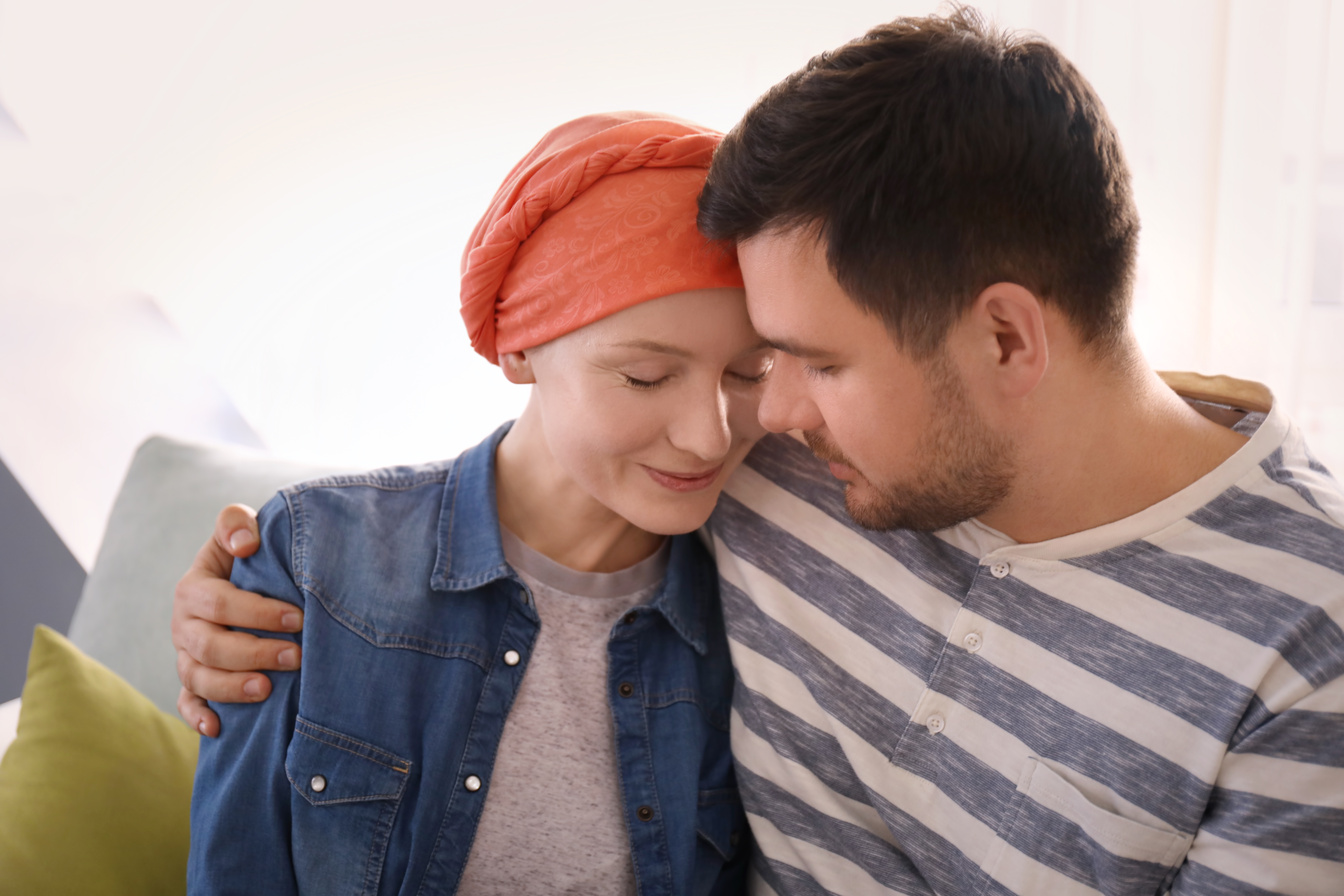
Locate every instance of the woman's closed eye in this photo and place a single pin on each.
(751, 379)
(643, 385)
(754, 372)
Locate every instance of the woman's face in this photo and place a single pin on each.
(650, 409)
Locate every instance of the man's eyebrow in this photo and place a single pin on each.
(798, 349)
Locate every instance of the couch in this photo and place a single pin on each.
(94, 765)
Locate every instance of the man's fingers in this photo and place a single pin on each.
(235, 535)
(221, 602)
(218, 685)
(236, 530)
(230, 651)
(197, 714)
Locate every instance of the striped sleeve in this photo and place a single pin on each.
(1275, 821)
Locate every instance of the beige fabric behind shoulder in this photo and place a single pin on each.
(1244, 394)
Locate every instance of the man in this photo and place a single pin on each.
(1060, 630)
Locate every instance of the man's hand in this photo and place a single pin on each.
(214, 663)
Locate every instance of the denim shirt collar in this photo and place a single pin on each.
(470, 553)
(685, 600)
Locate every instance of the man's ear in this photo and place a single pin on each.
(517, 367)
(1003, 335)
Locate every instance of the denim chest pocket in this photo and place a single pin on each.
(346, 795)
(1053, 820)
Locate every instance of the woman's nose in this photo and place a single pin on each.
(785, 404)
(703, 430)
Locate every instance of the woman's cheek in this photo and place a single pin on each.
(742, 416)
(621, 423)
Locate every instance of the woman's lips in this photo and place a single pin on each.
(684, 482)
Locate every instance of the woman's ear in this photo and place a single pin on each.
(1006, 332)
(517, 368)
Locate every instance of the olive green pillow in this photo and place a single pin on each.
(95, 791)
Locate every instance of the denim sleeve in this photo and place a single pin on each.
(240, 808)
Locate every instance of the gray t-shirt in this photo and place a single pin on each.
(553, 823)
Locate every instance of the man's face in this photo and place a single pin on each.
(903, 435)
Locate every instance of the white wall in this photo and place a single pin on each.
(291, 181)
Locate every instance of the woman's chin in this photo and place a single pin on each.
(674, 516)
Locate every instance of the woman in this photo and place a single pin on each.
(514, 680)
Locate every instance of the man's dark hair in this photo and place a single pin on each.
(934, 157)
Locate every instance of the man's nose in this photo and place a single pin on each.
(785, 401)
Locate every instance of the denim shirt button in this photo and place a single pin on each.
(511, 658)
(630, 617)
(318, 783)
(625, 689)
(644, 813)
(472, 783)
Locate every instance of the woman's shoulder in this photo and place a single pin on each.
(376, 525)
(389, 479)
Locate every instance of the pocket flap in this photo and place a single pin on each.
(720, 820)
(328, 767)
(1116, 834)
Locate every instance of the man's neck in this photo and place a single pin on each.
(1104, 446)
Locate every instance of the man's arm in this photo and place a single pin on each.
(1276, 820)
(241, 841)
(213, 662)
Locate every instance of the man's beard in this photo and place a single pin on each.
(966, 468)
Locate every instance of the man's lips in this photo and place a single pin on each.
(823, 450)
(684, 482)
(839, 470)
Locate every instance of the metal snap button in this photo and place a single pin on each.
(625, 689)
(318, 783)
(511, 658)
(644, 813)
(472, 783)
(630, 617)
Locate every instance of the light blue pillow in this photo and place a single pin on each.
(164, 511)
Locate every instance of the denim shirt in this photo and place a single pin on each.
(366, 771)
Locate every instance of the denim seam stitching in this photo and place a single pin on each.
(382, 639)
(333, 736)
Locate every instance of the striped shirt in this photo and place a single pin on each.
(1154, 704)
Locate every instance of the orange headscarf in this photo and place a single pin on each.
(598, 217)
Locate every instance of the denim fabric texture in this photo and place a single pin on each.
(365, 772)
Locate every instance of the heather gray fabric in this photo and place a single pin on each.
(554, 822)
(164, 512)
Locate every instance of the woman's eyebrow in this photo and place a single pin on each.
(653, 345)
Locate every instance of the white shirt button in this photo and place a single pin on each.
(936, 724)
(472, 783)
(511, 658)
(318, 783)
(999, 569)
(972, 641)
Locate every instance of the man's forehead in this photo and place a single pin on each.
(800, 246)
